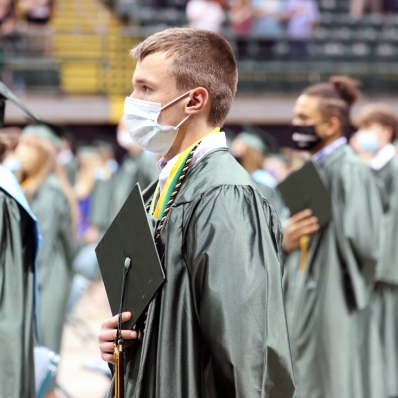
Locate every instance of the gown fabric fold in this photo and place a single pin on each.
(17, 253)
(385, 294)
(56, 254)
(217, 327)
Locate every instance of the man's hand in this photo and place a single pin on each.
(107, 336)
(299, 225)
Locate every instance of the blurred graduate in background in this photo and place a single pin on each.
(110, 193)
(335, 345)
(51, 198)
(378, 128)
(250, 151)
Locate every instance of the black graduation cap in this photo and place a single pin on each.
(130, 236)
(304, 189)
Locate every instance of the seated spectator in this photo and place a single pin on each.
(267, 26)
(8, 18)
(358, 7)
(240, 15)
(302, 17)
(37, 11)
(205, 14)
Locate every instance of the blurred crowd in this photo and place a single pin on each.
(27, 18)
(264, 20)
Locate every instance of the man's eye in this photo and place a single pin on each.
(147, 89)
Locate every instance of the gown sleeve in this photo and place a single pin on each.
(232, 253)
(360, 215)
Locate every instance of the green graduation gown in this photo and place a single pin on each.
(385, 294)
(217, 327)
(110, 195)
(55, 275)
(335, 346)
(16, 300)
(276, 201)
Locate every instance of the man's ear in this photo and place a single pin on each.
(390, 133)
(198, 99)
(334, 125)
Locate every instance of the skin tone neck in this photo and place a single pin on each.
(153, 82)
(307, 113)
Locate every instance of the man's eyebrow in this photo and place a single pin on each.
(141, 80)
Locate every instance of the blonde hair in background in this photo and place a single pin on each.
(48, 164)
(200, 59)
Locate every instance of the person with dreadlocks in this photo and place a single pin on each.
(217, 328)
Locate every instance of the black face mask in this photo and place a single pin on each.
(304, 137)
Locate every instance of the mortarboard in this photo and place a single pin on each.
(304, 189)
(130, 236)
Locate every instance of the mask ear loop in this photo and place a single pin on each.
(175, 100)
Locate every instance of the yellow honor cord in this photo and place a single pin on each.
(304, 245)
(171, 180)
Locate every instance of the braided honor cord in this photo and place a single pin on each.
(174, 193)
(171, 201)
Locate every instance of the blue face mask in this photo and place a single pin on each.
(368, 141)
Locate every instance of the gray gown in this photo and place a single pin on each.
(335, 345)
(217, 328)
(55, 275)
(16, 300)
(385, 294)
(109, 196)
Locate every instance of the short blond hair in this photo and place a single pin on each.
(201, 59)
(381, 114)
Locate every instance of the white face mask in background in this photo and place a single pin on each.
(368, 141)
(142, 123)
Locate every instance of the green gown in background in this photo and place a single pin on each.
(16, 300)
(335, 345)
(217, 327)
(110, 195)
(276, 201)
(385, 294)
(55, 274)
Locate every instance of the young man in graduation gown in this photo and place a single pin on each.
(217, 327)
(335, 346)
(19, 244)
(378, 128)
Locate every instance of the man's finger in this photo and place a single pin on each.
(301, 216)
(111, 323)
(110, 335)
(108, 358)
(297, 227)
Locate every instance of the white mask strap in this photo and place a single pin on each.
(179, 124)
(175, 100)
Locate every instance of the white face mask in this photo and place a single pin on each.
(368, 141)
(142, 123)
